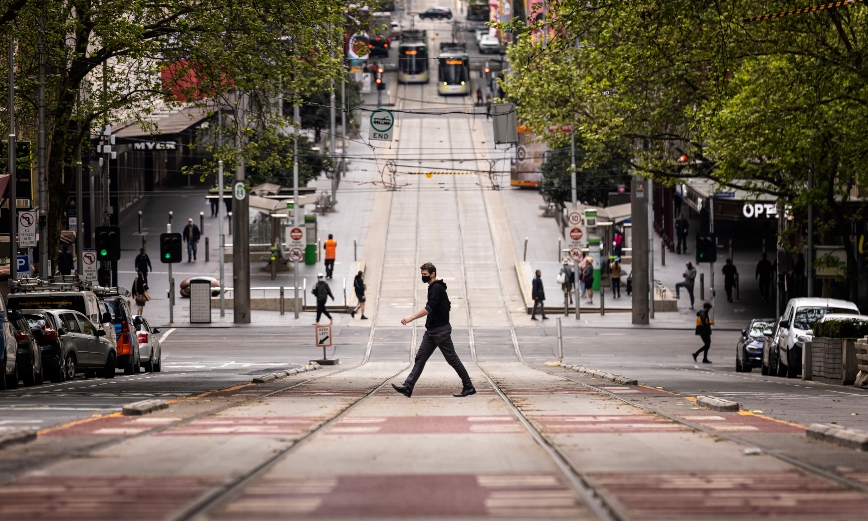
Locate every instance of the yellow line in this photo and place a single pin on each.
(77, 422)
(791, 424)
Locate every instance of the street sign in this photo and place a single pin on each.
(73, 223)
(366, 82)
(296, 242)
(382, 122)
(323, 336)
(23, 264)
(88, 263)
(576, 234)
(27, 228)
(240, 192)
(576, 254)
(575, 218)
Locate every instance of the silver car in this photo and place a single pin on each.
(150, 351)
(86, 347)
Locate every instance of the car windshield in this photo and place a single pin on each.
(806, 317)
(35, 321)
(757, 328)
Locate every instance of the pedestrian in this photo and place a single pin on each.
(588, 279)
(687, 283)
(615, 275)
(191, 237)
(730, 274)
(65, 263)
(438, 334)
(215, 206)
(764, 271)
(618, 244)
(330, 247)
(478, 97)
(682, 229)
(359, 287)
(567, 279)
(487, 107)
(322, 291)
(143, 264)
(579, 271)
(140, 293)
(703, 331)
(538, 294)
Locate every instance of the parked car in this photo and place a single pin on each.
(29, 355)
(379, 45)
(490, 44)
(127, 342)
(184, 289)
(436, 13)
(85, 302)
(749, 349)
(45, 327)
(88, 349)
(150, 351)
(8, 352)
(395, 30)
(480, 34)
(781, 354)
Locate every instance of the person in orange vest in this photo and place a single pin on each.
(330, 246)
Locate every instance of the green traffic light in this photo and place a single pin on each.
(103, 252)
(168, 255)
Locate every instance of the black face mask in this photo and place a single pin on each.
(426, 278)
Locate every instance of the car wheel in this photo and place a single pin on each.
(111, 364)
(781, 368)
(2, 375)
(792, 368)
(149, 365)
(12, 379)
(29, 376)
(130, 366)
(56, 374)
(40, 376)
(158, 365)
(738, 368)
(69, 367)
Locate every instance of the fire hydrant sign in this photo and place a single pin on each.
(295, 242)
(27, 228)
(323, 336)
(382, 123)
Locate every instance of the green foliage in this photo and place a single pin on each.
(316, 109)
(592, 185)
(845, 328)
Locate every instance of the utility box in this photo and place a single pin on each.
(310, 231)
(200, 301)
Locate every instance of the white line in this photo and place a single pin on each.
(166, 335)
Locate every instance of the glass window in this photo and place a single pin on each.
(452, 71)
(757, 328)
(86, 325)
(70, 323)
(43, 301)
(807, 317)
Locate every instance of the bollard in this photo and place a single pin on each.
(566, 303)
(346, 304)
(171, 215)
(603, 298)
(282, 305)
(702, 286)
(207, 250)
(140, 222)
(355, 250)
(561, 340)
(303, 294)
(202, 222)
(230, 223)
(663, 253)
(560, 250)
(318, 249)
(525, 249)
(144, 243)
(730, 252)
(273, 262)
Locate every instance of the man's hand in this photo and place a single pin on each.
(407, 320)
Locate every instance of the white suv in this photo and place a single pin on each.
(782, 355)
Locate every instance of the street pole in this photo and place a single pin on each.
(334, 143)
(714, 245)
(639, 213)
(221, 212)
(651, 248)
(79, 216)
(809, 262)
(296, 117)
(343, 169)
(171, 282)
(44, 269)
(13, 177)
(241, 239)
(573, 167)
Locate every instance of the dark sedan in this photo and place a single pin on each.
(436, 13)
(749, 349)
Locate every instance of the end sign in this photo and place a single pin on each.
(382, 122)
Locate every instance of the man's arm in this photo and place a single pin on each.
(419, 314)
(330, 291)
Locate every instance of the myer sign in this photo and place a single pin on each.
(759, 209)
(154, 145)
(382, 122)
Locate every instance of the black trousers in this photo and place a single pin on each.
(681, 246)
(764, 285)
(616, 286)
(706, 345)
(330, 267)
(728, 285)
(321, 310)
(431, 340)
(542, 308)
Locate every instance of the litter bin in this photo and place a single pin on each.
(200, 301)
(310, 231)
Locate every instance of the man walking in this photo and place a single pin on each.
(191, 237)
(330, 247)
(65, 262)
(682, 229)
(764, 271)
(538, 294)
(438, 334)
(143, 264)
(730, 274)
(687, 283)
(703, 331)
(359, 288)
(322, 292)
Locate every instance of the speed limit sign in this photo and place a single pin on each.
(575, 218)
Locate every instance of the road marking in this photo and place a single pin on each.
(166, 335)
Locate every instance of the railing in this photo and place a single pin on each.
(281, 293)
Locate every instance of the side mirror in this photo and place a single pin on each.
(744, 333)
(767, 332)
(783, 324)
(155, 330)
(99, 332)
(107, 318)
(809, 332)
(137, 321)
(62, 331)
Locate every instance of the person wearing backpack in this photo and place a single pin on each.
(322, 292)
(703, 331)
(567, 278)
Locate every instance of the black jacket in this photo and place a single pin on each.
(438, 305)
(359, 286)
(322, 292)
(191, 232)
(139, 287)
(65, 264)
(537, 292)
(703, 323)
(143, 263)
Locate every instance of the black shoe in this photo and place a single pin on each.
(403, 390)
(545, 318)
(467, 391)
(694, 357)
(353, 313)
(364, 317)
(706, 361)
(534, 318)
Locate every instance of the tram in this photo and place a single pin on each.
(413, 57)
(478, 15)
(453, 70)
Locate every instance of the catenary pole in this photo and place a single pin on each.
(651, 248)
(13, 177)
(809, 262)
(296, 213)
(639, 220)
(44, 268)
(241, 235)
(221, 215)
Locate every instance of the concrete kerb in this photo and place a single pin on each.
(313, 366)
(717, 404)
(846, 437)
(144, 407)
(618, 379)
(16, 436)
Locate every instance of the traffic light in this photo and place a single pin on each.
(380, 84)
(706, 248)
(108, 243)
(171, 251)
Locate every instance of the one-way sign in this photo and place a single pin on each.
(382, 122)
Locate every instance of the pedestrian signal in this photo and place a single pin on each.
(706, 248)
(171, 251)
(108, 243)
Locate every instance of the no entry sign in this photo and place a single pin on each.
(295, 242)
(576, 234)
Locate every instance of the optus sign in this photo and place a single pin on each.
(751, 210)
